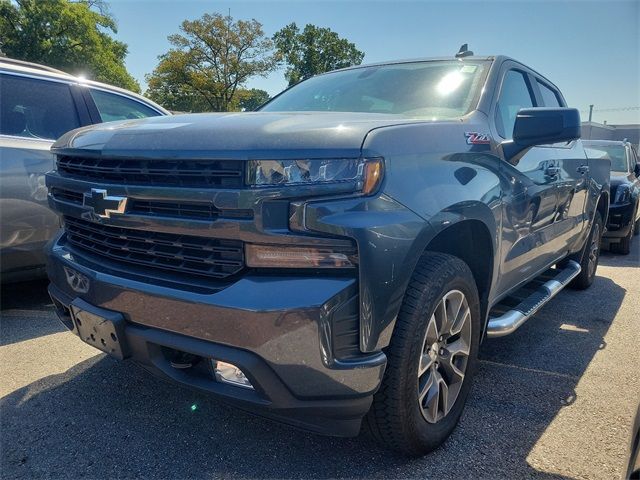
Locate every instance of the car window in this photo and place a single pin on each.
(514, 95)
(549, 97)
(35, 108)
(117, 107)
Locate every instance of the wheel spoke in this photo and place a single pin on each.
(433, 333)
(426, 386)
(444, 393)
(455, 351)
(463, 316)
(431, 402)
(440, 316)
(425, 364)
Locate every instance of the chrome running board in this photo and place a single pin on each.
(507, 321)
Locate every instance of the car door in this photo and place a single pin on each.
(530, 205)
(34, 111)
(571, 178)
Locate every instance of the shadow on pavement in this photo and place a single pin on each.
(104, 418)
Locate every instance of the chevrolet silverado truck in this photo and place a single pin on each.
(335, 258)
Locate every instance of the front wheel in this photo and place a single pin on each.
(431, 358)
(590, 256)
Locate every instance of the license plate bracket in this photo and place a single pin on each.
(100, 328)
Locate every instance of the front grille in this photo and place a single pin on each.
(214, 258)
(67, 195)
(165, 172)
(155, 208)
(200, 211)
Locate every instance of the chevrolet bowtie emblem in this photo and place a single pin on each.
(102, 204)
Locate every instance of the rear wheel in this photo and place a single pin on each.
(590, 257)
(431, 358)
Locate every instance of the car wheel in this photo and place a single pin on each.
(590, 256)
(430, 359)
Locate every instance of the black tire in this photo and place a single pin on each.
(591, 252)
(623, 247)
(396, 417)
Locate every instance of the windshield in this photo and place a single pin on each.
(615, 153)
(434, 90)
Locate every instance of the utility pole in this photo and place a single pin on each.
(590, 124)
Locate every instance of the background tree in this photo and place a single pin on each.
(70, 35)
(313, 50)
(251, 99)
(210, 60)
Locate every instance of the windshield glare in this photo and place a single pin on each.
(615, 153)
(435, 90)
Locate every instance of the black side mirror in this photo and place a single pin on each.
(541, 126)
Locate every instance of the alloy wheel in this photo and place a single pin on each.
(444, 356)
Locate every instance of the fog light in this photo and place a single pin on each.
(270, 256)
(229, 373)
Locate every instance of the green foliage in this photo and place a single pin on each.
(210, 61)
(249, 100)
(70, 35)
(314, 50)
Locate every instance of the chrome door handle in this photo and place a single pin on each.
(583, 169)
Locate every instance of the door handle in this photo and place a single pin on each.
(552, 171)
(583, 169)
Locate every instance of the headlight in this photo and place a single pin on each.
(623, 194)
(365, 174)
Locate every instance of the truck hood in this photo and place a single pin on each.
(230, 135)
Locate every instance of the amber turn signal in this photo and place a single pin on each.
(372, 176)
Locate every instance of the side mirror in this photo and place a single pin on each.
(541, 126)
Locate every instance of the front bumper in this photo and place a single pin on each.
(619, 221)
(280, 330)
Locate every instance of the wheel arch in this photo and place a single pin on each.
(464, 239)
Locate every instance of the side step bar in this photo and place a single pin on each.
(510, 320)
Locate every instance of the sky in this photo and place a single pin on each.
(589, 49)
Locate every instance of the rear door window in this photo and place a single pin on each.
(34, 108)
(118, 107)
(514, 95)
(549, 97)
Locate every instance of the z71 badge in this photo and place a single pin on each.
(475, 138)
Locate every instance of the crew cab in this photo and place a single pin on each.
(338, 255)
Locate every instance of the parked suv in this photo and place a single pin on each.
(624, 211)
(339, 254)
(37, 105)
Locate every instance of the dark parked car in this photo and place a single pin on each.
(624, 211)
(339, 254)
(37, 105)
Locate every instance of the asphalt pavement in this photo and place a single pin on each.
(555, 399)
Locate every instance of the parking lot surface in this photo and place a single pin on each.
(555, 399)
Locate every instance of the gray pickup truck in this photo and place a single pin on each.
(336, 258)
